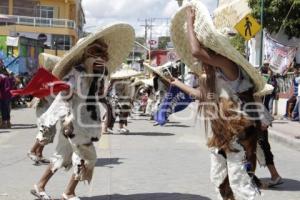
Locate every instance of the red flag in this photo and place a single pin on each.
(42, 84)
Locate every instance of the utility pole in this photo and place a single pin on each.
(182, 66)
(261, 33)
(149, 23)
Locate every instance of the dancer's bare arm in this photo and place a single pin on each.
(185, 88)
(206, 56)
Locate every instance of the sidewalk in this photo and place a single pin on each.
(286, 132)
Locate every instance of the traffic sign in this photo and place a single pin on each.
(248, 27)
(152, 42)
(172, 56)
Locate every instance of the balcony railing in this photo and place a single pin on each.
(42, 22)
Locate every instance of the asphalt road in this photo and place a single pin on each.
(150, 163)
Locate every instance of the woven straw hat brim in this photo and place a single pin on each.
(228, 15)
(208, 35)
(48, 61)
(118, 36)
(143, 82)
(125, 73)
(158, 70)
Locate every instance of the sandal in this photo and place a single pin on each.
(40, 195)
(123, 130)
(65, 197)
(32, 156)
(43, 160)
(277, 181)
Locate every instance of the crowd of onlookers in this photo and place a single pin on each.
(8, 82)
(293, 103)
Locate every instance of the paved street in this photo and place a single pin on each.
(150, 163)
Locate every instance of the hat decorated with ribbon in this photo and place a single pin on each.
(211, 38)
(119, 38)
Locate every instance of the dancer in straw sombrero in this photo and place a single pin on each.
(229, 84)
(121, 96)
(41, 105)
(84, 67)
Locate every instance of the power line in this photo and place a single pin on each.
(150, 23)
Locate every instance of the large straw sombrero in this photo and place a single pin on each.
(144, 81)
(211, 38)
(118, 36)
(125, 72)
(48, 61)
(229, 14)
(159, 70)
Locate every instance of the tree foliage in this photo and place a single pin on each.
(275, 12)
(238, 42)
(163, 42)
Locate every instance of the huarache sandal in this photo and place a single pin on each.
(34, 158)
(65, 197)
(43, 160)
(40, 195)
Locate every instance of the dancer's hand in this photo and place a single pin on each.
(190, 14)
(68, 128)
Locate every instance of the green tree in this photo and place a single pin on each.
(163, 42)
(238, 42)
(275, 12)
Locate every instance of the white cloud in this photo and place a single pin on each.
(98, 12)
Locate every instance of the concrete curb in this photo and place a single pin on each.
(289, 142)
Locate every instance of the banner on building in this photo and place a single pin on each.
(278, 55)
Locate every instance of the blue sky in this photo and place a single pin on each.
(131, 11)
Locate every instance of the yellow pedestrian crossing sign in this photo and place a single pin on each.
(247, 27)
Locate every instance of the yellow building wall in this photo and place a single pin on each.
(10, 7)
(52, 52)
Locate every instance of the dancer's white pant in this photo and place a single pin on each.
(82, 157)
(234, 167)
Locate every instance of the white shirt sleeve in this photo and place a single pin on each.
(60, 107)
(57, 110)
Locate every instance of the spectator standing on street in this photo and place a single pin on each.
(296, 111)
(291, 102)
(269, 99)
(7, 84)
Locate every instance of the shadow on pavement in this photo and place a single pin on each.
(23, 126)
(103, 162)
(280, 122)
(287, 185)
(4, 131)
(149, 196)
(149, 134)
(177, 125)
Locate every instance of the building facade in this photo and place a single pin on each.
(59, 23)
